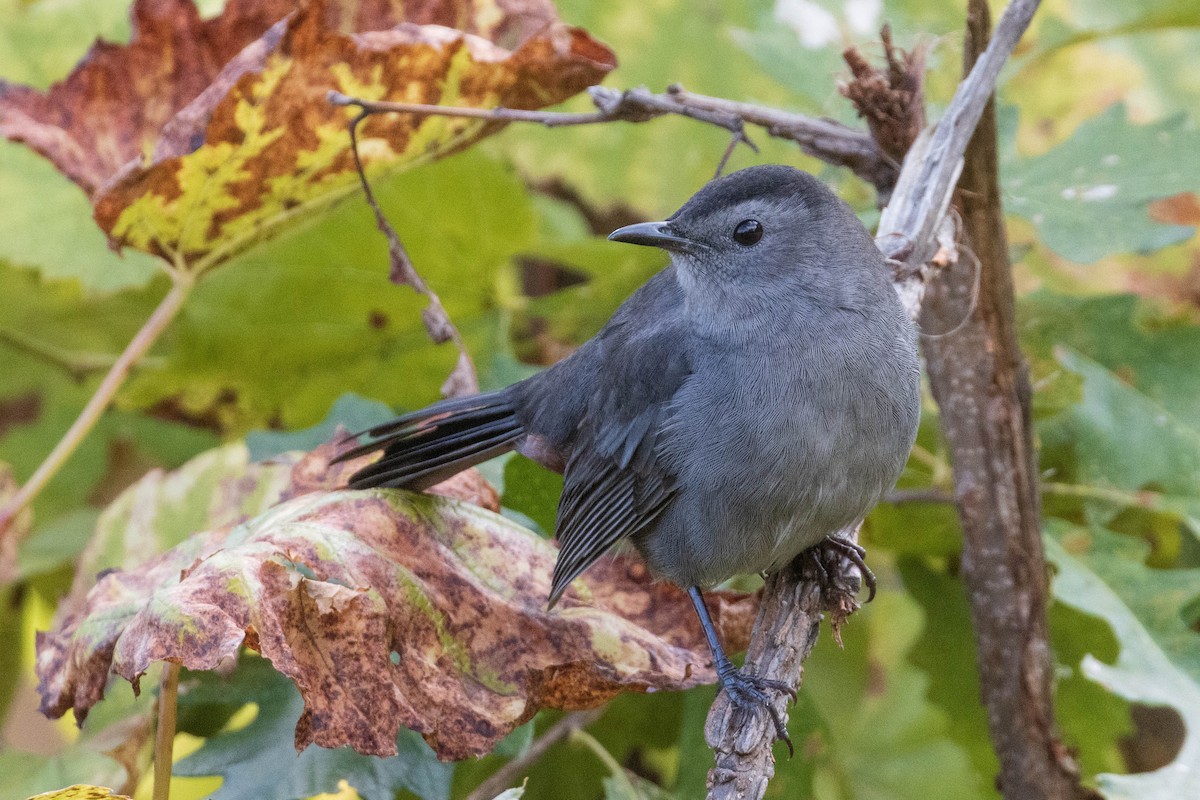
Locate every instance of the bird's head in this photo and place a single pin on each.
(759, 231)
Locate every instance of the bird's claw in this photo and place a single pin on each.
(748, 691)
(837, 548)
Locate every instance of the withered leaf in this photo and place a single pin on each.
(388, 608)
(200, 137)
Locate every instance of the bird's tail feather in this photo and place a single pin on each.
(430, 445)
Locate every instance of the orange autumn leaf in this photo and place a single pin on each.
(387, 608)
(200, 137)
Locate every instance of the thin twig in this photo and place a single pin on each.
(164, 736)
(463, 379)
(509, 775)
(96, 405)
(825, 139)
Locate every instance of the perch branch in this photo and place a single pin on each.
(913, 231)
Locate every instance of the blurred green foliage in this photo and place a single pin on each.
(1099, 115)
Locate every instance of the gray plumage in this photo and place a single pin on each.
(749, 400)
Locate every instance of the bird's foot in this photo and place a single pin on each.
(750, 691)
(831, 550)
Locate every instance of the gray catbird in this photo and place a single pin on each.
(754, 397)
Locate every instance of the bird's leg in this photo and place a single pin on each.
(745, 691)
(842, 548)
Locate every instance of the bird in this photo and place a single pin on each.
(751, 399)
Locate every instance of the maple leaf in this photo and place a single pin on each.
(201, 137)
(387, 609)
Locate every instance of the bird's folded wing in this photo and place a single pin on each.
(616, 481)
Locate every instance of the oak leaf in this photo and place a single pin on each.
(388, 608)
(200, 137)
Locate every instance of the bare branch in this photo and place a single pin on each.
(825, 139)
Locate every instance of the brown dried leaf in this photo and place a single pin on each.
(388, 608)
(202, 136)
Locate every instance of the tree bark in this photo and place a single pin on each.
(981, 385)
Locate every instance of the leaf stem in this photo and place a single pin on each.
(164, 736)
(99, 402)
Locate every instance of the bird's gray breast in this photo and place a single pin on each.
(781, 444)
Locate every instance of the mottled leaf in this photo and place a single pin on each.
(387, 608)
(203, 136)
(277, 335)
(867, 723)
(1089, 196)
(1103, 574)
(80, 791)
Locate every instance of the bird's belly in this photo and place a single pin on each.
(799, 476)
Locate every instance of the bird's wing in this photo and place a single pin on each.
(616, 481)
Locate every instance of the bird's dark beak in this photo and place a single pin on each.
(653, 234)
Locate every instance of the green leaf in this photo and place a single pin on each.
(62, 335)
(1103, 574)
(614, 272)
(635, 787)
(800, 44)
(1131, 437)
(946, 653)
(85, 760)
(260, 761)
(47, 224)
(1088, 197)
(41, 41)
(532, 490)
(1095, 19)
(869, 719)
(1148, 349)
(1127, 440)
(515, 793)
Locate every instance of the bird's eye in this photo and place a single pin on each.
(748, 232)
